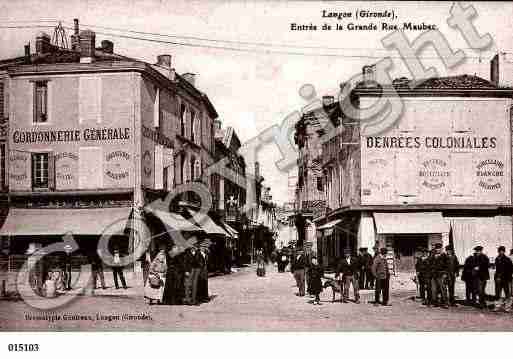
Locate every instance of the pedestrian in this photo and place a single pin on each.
(97, 268)
(439, 274)
(203, 295)
(349, 267)
(260, 263)
(174, 290)
(67, 267)
(154, 289)
(511, 283)
(470, 282)
(315, 273)
(422, 268)
(117, 270)
(481, 274)
(452, 274)
(503, 274)
(367, 268)
(298, 268)
(361, 269)
(192, 271)
(381, 274)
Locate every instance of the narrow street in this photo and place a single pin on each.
(243, 301)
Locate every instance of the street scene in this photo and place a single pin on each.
(153, 178)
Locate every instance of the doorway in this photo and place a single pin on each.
(405, 247)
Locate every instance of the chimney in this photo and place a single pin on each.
(75, 38)
(107, 46)
(164, 66)
(501, 70)
(43, 45)
(87, 40)
(190, 78)
(27, 53)
(327, 100)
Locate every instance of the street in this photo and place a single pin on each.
(243, 301)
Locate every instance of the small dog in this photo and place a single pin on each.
(336, 287)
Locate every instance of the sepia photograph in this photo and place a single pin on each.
(255, 166)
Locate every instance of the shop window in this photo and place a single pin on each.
(40, 101)
(43, 176)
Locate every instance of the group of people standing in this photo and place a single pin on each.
(360, 271)
(437, 273)
(176, 277)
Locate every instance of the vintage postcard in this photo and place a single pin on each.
(255, 166)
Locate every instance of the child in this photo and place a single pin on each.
(315, 273)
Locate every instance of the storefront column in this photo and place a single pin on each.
(366, 233)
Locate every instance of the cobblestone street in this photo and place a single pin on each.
(243, 301)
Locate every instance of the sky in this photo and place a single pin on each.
(254, 87)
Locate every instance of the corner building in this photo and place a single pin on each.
(440, 173)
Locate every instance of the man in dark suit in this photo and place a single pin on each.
(480, 274)
(298, 269)
(193, 265)
(422, 268)
(503, 273)
(440, 272)
(452, 273)
(382, 275)
(349, 267)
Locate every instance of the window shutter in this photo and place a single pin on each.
(51, 171)
(2, 101)
(156, 109)
(159, 167)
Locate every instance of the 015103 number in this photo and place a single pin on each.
(23, 347)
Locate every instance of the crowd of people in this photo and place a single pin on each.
(176, 277)
(437, 271)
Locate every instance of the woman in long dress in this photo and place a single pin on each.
(154, 288)
(174, 287)
(260, 263)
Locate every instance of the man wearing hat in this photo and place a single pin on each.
(298, 269)
(382, 275)
(503, 274)
(453, 273)
(480, 274)
(349, 267)
(440, 272)
(422, 269)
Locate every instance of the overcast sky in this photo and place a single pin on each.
(256, 89)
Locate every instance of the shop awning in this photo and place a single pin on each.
(410, 223)
(206, 223)
(48, 221)
(175, 221)
(329, 225)
(232, 231)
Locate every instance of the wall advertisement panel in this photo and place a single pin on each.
(442, 151)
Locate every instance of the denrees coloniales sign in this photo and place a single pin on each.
(432, 142)
(88, 134)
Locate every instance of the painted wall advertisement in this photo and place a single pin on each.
(442, 151)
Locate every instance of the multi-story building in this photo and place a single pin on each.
(231, 191)
(94, 138)
(440, 173)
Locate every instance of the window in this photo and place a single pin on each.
(193, 174)
(184, 169)
(40, 101)
(183, 112)
(193, 124)
(40, 170)
(165, 184)
(319, 184)
(3, 183)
